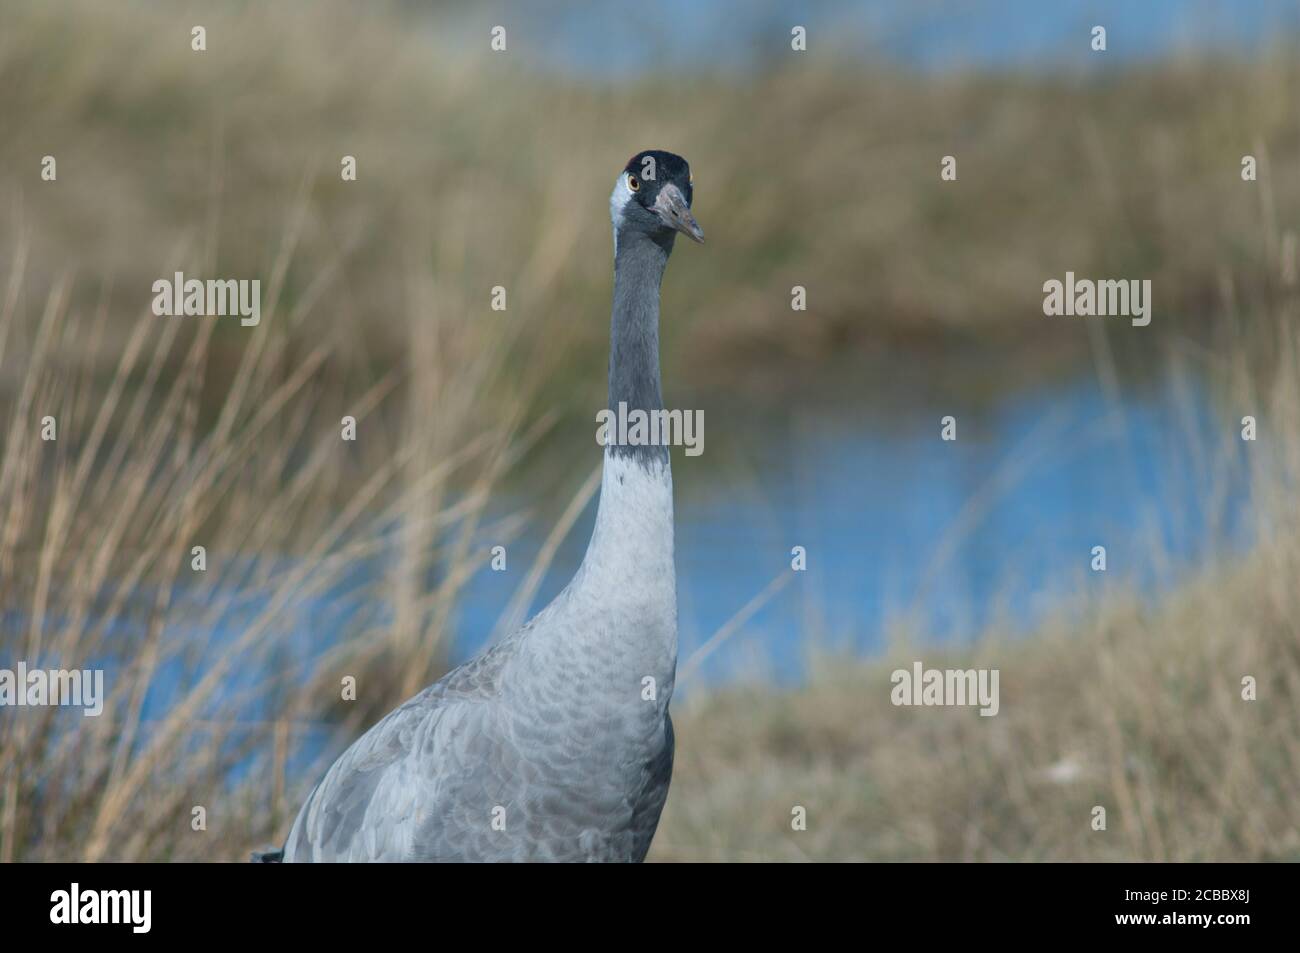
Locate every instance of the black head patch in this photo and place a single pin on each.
(653, 169)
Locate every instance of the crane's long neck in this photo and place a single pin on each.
(630, 557)
(634, 335)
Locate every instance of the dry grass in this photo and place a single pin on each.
(1137, 710)
(96, 530)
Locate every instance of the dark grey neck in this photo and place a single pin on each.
(639, 264)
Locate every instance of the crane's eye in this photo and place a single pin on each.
(633, 183)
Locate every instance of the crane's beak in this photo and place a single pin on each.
(671, 207)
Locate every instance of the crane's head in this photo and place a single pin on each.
(653, 196)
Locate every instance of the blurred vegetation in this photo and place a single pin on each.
(477, 171)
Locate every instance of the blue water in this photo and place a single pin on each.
(992, 530)
(995, 527)
(613, 40)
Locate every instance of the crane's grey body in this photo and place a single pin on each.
(555, 743)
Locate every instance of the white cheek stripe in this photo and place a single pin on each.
(618, 200)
